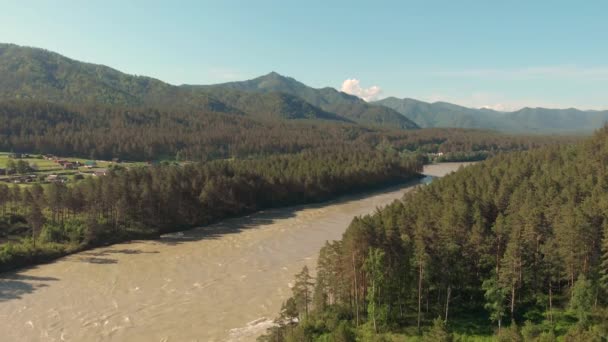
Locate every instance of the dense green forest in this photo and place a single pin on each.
(514, 248)
(328, 99)
(143, 134)
(43, 223)
(36, 74)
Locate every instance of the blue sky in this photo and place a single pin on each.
(502, 54)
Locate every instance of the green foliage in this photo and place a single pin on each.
(603, 273)
(517, 235)
(376, 272)
(70, 232)
(302, 294)
(144, 202)
(342, 333)
(29, 73)
(27, 252)
(548, 336)
(438, 332)
(328, 99)
(510, 334)
(531, 332)
(578, 333)
(141, 134)
(495, 296)
(583, 297)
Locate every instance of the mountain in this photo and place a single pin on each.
(328, 99)
(556, 120)
(37, 74)
(443, 114)
(541, 120)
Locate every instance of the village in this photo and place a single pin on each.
(26, 169)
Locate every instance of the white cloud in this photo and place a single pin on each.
(352, 86)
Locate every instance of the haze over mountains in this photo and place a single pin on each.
(542, 120)
(36, 74)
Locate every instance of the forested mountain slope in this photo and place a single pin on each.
(329, 99)
(102, 132)
(540, 120)
(443, 114)
(518, 240)
(36, 74)
(556, 120)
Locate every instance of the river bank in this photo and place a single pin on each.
(223, 282)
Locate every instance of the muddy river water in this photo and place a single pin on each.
(224, 282)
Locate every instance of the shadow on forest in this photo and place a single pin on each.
(270, 216)
(16, 285)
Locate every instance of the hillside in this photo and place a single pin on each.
(443, 114)
(540, 120)
(328, 99)
(515, 246)
(143, 134)
(36, 74)
(556, 120)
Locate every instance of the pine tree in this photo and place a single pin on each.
(376, 269)
(302, 292)
(495, 296)
(438, 332)
(603, 281)
(582, 299)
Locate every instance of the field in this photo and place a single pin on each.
(41, 168)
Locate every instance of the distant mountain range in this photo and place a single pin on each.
(542, 120)
(37, 74)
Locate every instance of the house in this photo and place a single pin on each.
(116, 160)
(102, 172)
(49, 157)
(89, 164)
(21, 179)
(15, 155)
(69, 166)
(56, 179)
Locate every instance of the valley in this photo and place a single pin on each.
(222, 282)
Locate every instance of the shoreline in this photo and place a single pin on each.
(47, 257)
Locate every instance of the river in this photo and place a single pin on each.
(224, 282)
